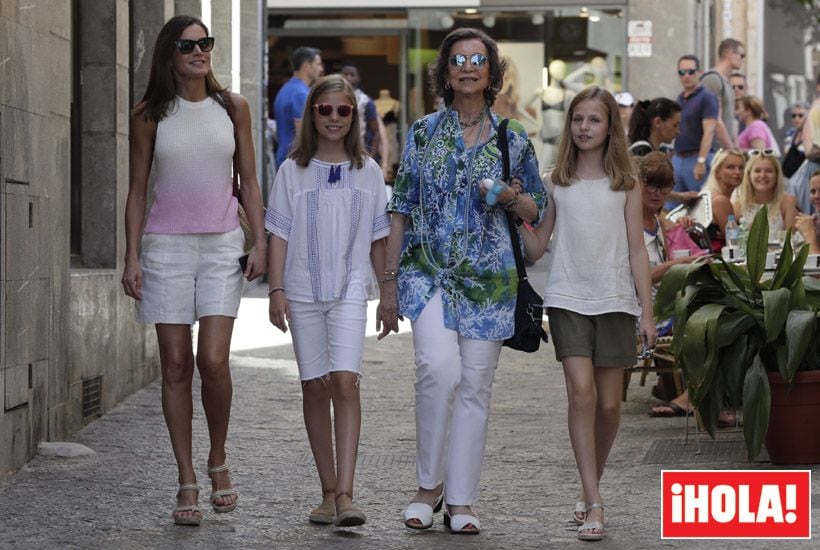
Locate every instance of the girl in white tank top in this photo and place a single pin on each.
(597, 280)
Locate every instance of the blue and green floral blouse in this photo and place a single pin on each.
(453, 240)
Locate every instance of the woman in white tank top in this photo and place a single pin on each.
(598, 283)
(181, 262)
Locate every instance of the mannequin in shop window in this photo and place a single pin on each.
(507, 102)
(554, 100)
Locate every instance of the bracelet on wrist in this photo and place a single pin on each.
(276, 289)
(510, 204)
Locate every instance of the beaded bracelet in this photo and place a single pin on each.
(275, 289)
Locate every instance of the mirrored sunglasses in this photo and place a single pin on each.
(326, 109)
(682, 72)
(187, 46)
(477, 60)
(761, 152)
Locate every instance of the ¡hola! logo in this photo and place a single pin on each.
(736, 504)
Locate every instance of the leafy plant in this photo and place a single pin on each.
(732, 327)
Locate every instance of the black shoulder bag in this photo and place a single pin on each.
(529, 306)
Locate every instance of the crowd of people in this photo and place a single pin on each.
(440, 248)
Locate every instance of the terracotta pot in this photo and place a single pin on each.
(794, 424)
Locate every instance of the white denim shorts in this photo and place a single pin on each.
(328, 336)
(186, 277)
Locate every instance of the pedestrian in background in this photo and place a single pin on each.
(185, 268)
(451, 254)
(366, 109)
(596, 267)
(731, 54)
(699, 114)
(290, 100)
(763, 184)
(328, 219)
(756, 133)
(626, 106)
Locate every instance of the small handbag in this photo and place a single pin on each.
(529, 306)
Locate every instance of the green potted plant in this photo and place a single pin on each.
(735, 330)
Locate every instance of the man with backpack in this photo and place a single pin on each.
(731, 54)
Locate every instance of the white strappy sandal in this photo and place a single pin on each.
(221, 493)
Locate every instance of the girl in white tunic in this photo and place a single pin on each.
(328, 217)
(598, 282)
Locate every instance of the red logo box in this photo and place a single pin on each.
(736, 504)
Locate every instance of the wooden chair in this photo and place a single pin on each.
(659, 361)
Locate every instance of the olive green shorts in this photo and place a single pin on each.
(608, 339)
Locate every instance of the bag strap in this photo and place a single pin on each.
(229, 109)
(504, 147)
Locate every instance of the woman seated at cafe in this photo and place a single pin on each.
(809, 224)
(764, 184)
(657, 179)
(726, 176)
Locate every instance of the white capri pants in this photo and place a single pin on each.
(328, 336)
(454, 378)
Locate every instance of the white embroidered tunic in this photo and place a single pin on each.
(329, 214)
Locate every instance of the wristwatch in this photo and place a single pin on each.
(701, 160)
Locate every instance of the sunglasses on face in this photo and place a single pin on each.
(740, 87)
(477, 60)
(798, 115)
(187, 46)
(761, 152)
(326, 109)
(690, 72)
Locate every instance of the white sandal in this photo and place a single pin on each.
(189, 520)
(580, 508)
(423, 513)
(458, 522)
(220, 508)
(590, 525)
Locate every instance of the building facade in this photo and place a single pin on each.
(70, 70)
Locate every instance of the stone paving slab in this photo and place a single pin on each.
(122, 496)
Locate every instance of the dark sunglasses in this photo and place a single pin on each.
(682, 72)
(798, 115)
(476, 60)
(187, 46)
(326, 109)
(759, 152)
(740, 87)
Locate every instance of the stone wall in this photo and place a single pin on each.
(67, 335)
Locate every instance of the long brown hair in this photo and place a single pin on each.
(308, 142)
(162, 88)
(617, 163)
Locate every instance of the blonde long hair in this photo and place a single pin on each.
(745, 194)
(617, 162)
(712, 184)
(308, 142)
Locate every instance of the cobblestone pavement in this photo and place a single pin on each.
(122, 496)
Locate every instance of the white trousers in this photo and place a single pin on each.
(454, 378)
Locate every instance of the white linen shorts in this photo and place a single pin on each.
(186, 277)
(328, 336)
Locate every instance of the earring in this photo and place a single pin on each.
(446, 85)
